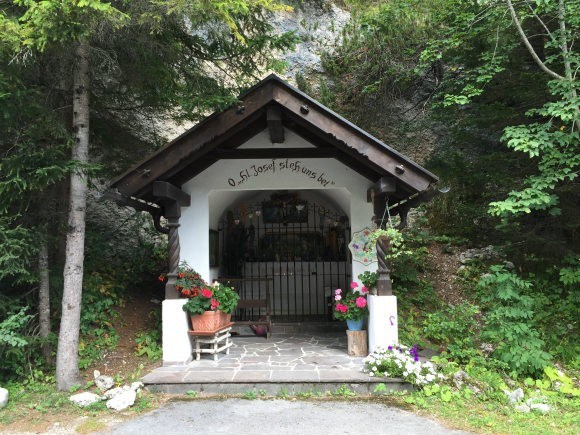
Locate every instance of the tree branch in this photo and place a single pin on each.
(526, 42)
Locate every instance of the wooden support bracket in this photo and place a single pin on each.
(275, 127)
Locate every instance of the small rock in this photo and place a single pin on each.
(3, 397)
(474, 389)
(136, 386)
(84, 399)
(122, 401)
(109, 394)
(459, 377)
(515, 396)
(96, 374)
(509, 265)
(541, 407)
(522, 408)
(104, 383)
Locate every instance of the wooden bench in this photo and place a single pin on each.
(260, 307)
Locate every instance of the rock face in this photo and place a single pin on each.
(318, 24)
(85, 399)
(3, 397)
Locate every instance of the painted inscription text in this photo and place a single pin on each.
(274, 166)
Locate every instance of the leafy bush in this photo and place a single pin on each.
(14, 343)
(101, 296)
(510, 324)
(454, 329)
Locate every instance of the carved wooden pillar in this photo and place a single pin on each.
(384, 283)
(173, 257)
(172, 199)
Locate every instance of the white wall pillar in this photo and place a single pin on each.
(194, 232)
(383, 321)
(177, 348)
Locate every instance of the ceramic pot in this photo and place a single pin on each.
(355, 325)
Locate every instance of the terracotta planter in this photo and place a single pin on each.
(208, 321)
(225, 318)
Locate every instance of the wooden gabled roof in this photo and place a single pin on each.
(273, 103)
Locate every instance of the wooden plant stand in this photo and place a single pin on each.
(212, 342)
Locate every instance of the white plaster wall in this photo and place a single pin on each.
(229, 181)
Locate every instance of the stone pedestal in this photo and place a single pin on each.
(177, 346)
(357, 343)
(383, 321)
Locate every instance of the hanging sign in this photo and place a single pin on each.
(361, 248)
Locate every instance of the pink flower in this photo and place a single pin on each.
(214, 304)
(337, 291)
(361, 302)
(364, 289)
(342, 308)
(337, 297)
(353, 285)
(206, 293)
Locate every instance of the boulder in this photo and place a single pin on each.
(540, 407)
(3, 397)
(84, 399)
(459, 377)
(103, 382)
(522, 408)
(486, 253)
(136, 386)
(109, 394)
(515, 396)
(122, 401)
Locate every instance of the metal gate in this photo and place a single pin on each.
(300, 246)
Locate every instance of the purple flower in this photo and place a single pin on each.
(390, 347)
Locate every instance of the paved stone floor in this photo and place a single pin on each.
(286, 360)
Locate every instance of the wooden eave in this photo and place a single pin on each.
(219, 136)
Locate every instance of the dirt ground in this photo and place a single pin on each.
(134, 317)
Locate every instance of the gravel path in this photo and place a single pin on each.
(273, 417)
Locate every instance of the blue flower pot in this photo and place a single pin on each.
(355, 325)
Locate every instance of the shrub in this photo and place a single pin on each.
(510, 322)
(454, 329)
(14, 343)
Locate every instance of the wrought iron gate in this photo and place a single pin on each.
(301, 246)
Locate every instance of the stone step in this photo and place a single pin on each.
(279, 388)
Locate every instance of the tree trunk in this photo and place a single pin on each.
(44, 301)
(67, 369)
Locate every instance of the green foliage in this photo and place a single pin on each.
(454, 329)
(19, 344)
(13, 343)
(369, 279)
(148, 344)
(510, 324)
(343, 391)
(101, 294)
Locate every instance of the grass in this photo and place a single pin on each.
(36, 407)
(474, 415)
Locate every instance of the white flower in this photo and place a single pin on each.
(337, 298)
